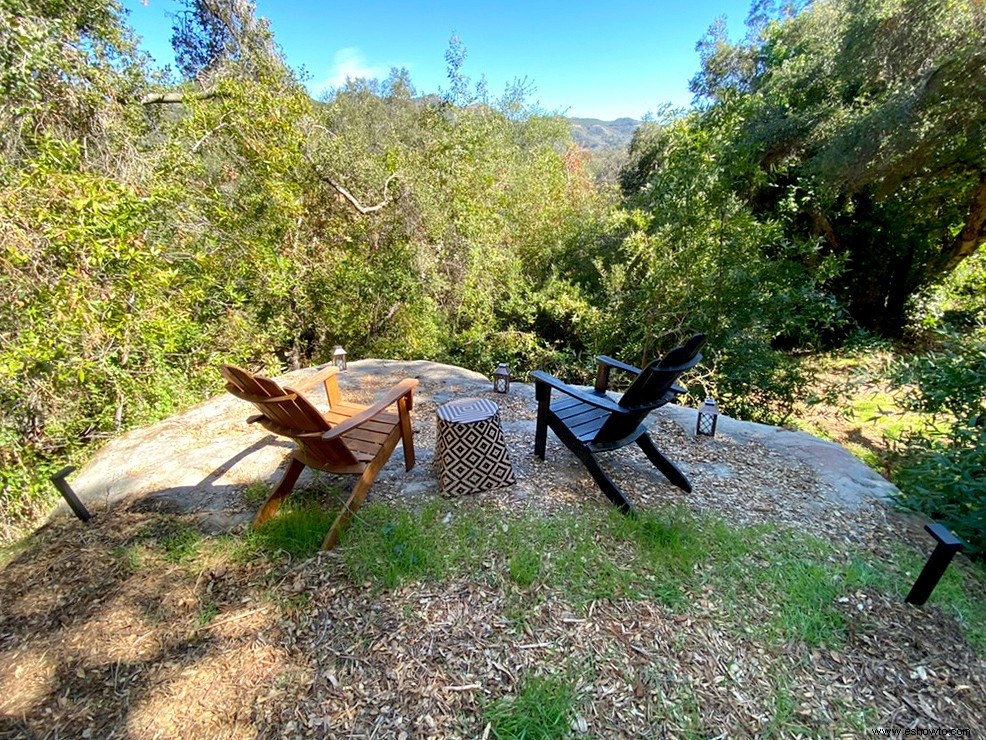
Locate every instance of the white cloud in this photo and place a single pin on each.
(350, 63)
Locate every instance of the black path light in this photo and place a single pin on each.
(934, 569)
(501, 378)
(78, 508)
(708, 417)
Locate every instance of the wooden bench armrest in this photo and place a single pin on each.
(600, 401)
(404, 389)
(326, 375)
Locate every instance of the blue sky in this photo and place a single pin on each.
(597, 60)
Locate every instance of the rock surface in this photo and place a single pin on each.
(200, 462)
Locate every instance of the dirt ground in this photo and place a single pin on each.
(95, 645)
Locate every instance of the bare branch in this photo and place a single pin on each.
(365, 210)
(968, 240)
(178, 97)
(209, 133)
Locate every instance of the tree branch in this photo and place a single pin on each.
(365, 210)
(178, 97)
(209, 133)
(968, 240)
(824, 227)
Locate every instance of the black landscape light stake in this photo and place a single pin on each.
(934, 569)
(501, 378)
(708, 416)
(68, 494)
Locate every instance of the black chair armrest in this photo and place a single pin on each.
(606, 360)
(600, 401)
(603, 365)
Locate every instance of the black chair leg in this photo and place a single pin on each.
(543, 395)
(668, 468)
(605, 483)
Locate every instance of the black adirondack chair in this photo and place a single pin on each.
(592, 422)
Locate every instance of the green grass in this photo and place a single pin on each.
(610, 556)
(298, 530)
(256, 493)
(388, 546)
(542, 708)
(525, 566)
(181, 544)
(207, 612)
(129, 557)
(667, 556)
(169, 538)
(784, 722)
(800, 576)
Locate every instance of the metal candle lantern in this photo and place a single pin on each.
(708, 415)
(501, 378)
(339, 358)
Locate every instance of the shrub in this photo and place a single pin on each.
(941, 470)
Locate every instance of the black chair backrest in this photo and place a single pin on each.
(656, 379)
(648, 391)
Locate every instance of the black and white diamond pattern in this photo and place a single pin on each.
(470, 452)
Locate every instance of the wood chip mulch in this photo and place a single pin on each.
(94, 645)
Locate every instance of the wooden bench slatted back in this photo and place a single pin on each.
(293, 416)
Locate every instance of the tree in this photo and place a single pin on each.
(864, 125)
(67, 69)
(210, 33)
(695, 257)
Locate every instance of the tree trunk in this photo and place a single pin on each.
(967, 241)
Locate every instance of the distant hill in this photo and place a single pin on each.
(596, 135)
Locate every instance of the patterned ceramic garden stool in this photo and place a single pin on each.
(470, 452)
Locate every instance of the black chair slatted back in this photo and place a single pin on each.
(648, 391)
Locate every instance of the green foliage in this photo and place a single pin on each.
(696, 258)
(942, 476)
(940, 469)
(542, 708)
(856, 128)
(62, 66)
(95, 312)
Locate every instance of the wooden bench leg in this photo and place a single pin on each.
(360, 490)
(407, 437)
(280, 492)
